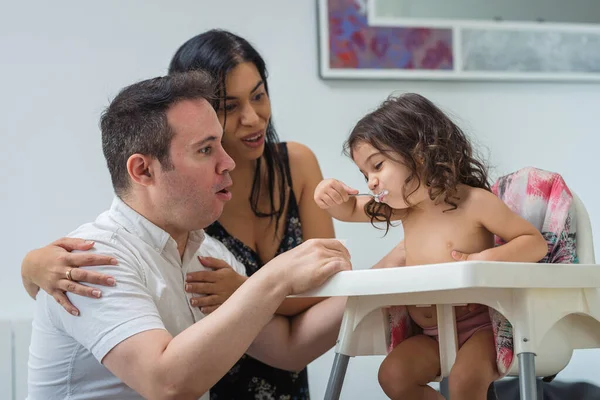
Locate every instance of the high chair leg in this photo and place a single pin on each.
(336, 378)
(444, 390)
(527, 382)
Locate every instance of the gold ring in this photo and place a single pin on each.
(68, 273)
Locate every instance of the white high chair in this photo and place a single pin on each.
(553, 308)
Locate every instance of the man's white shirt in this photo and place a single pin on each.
(66, 351)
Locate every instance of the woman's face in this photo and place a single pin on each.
(248, 109)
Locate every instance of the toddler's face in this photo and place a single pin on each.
(385, 174)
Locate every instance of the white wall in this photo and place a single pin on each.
(62, 61)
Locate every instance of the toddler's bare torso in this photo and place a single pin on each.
(430, 235)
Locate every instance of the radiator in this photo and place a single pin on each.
(15, 336)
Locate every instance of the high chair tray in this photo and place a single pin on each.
(458, 275)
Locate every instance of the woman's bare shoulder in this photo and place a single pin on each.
(299, 152)
(304, 166)
(303, 161)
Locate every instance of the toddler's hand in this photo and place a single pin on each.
(460, 256)
(331, 192)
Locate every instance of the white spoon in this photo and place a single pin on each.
(375, 197)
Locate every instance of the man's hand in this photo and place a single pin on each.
(216, 285)
(310, 264)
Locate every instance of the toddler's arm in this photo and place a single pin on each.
(524, 243)
(335, 197)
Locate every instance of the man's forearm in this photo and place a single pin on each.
(199, 356)
(159, 366)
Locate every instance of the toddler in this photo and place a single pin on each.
(421, 169)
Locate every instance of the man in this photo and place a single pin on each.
(162, 142)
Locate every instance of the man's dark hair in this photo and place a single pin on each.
(136, 120)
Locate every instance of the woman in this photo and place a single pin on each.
(272, 209)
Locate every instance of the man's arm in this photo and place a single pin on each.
(224, 276)
(292, 343)
(160, 366)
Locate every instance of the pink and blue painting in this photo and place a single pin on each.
(355, 44)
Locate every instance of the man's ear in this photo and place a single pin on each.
(141, 169)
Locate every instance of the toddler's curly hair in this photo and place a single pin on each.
(410, 129)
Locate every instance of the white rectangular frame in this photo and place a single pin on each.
(457, 26)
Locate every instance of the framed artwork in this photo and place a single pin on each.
(460, 39)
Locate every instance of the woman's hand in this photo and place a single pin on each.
(50, 268)
(216, 285)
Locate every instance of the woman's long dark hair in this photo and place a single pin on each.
(218, 52)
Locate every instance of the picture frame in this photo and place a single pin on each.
(355, 43)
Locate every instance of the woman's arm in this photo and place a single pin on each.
(316, 223)
(47, 267)
(306, 173)
(293, 343)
